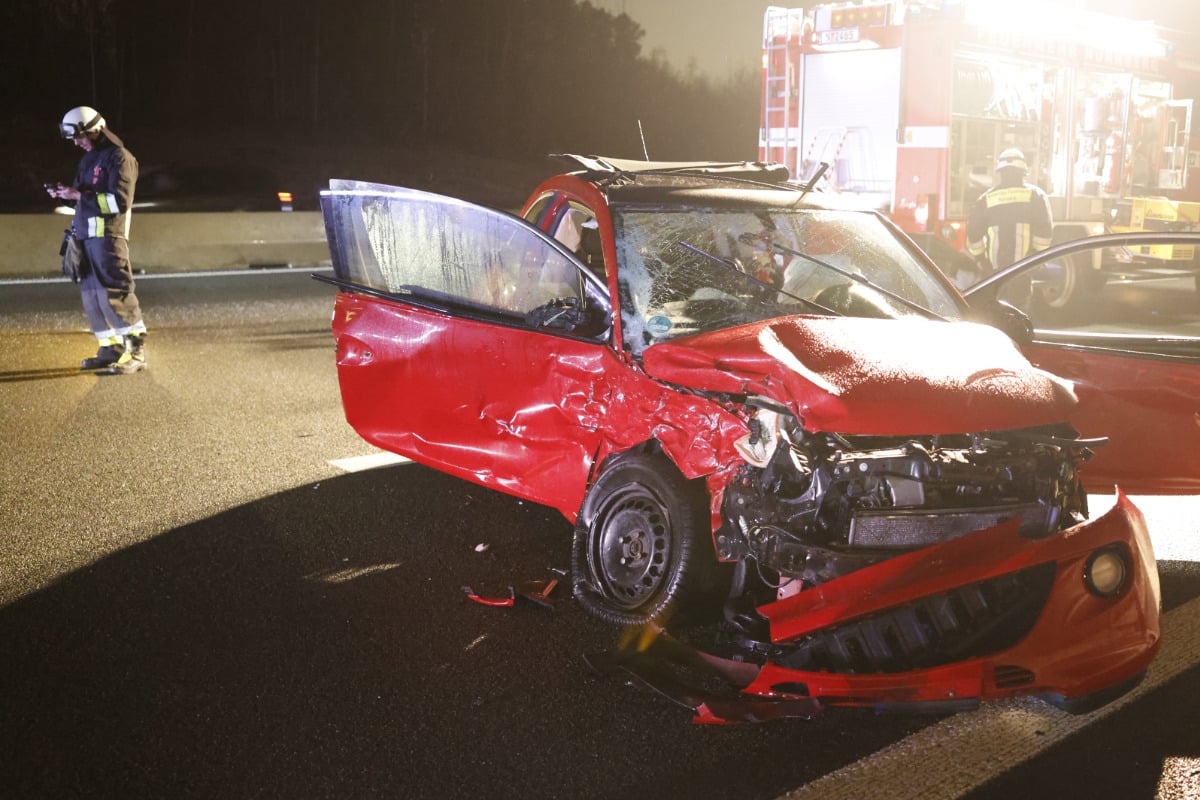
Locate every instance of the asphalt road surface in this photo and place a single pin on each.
(204, 594)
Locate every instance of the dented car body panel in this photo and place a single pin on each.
(529, 418)
(521, 422)
(849, 375)
(736, 387)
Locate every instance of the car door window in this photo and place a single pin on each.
(444, 253)
(573, 225)
(1143, 296)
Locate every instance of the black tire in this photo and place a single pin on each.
(643, 549)
(1065, 289)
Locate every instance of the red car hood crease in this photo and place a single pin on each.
(872, 376)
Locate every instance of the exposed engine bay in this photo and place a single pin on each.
(810, 507)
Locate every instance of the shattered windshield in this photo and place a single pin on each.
(691, 271)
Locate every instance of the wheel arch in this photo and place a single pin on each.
(693, 584)
(607, 458)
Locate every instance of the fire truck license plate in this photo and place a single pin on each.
(838, 36)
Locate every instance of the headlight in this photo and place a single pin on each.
(1107, 571)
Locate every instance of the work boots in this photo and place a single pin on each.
(105, 357)
(133, 356)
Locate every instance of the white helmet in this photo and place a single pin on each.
(1012, 158)
(80, 120)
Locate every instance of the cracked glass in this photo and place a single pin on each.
(689, 271)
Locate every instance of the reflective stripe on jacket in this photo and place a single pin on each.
(1008, 223)
(105, 179)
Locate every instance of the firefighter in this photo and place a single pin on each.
(103, 194)
(1009, 221)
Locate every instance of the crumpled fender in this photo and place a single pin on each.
(1080, 645)
(1082, 652)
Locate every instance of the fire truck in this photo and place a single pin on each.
(909, 103)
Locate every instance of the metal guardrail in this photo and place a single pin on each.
(175, 242)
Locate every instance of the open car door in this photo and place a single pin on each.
(467, 340)
(1133, 353)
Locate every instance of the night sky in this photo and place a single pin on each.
(420, 92)
(317, 86)
(717, 36)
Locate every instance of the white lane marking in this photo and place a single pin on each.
(372, 461)
(347, 574)
(961, 753)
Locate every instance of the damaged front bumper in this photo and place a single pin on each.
(916, 633)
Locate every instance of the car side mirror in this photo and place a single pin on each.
(571, 315)
(1014, 322)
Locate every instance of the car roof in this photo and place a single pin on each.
(713, 184)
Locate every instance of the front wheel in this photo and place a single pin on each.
(642, 549)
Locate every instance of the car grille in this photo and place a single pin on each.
(973, 620)
(910, 528)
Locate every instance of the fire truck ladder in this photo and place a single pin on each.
(848, 152)
(826, 146)
(781, 109)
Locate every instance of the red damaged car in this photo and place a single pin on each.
(754, 403)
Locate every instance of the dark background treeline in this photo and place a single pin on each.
(416, 90)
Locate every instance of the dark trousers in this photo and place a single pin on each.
(106, 288)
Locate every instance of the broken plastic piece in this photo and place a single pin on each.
(676, 671)
(499, 602)
(535, 591)
(538, 591)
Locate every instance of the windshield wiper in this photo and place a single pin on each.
(729, 265)
(857, 277)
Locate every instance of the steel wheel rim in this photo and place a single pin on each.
(631, 547)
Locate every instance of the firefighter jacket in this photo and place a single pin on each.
(1009, 222)
(106, 179)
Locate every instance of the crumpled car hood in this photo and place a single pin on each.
(871, 376)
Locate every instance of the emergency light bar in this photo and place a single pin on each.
(829, 18)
